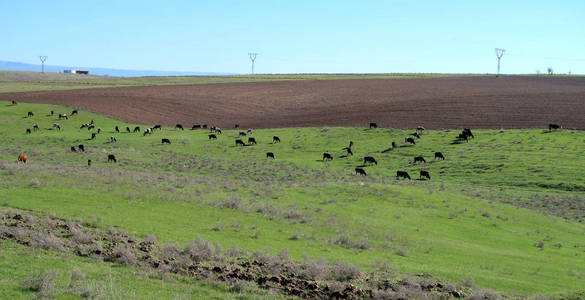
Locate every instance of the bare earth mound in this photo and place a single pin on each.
(476, 102)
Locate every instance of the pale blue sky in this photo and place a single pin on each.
(298, 36)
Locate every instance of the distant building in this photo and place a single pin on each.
(76, 72)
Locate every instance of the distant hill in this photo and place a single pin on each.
(18, 66)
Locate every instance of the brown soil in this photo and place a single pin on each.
(456, 102)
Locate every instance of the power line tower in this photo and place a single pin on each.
(252, 58)
(43, 58)
(499, 54)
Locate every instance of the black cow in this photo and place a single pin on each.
(213, 137)
(394, 145)
(128, 129)
(425, 174)
(179, 126)
(137, 129)
(410, 140)
(439, 155)
(275, 139)
(239, 142)
(157, 127)
(36, 127)
(270, 154)
(195, 127)
(73, 149)
(327, 156)
(117, 129)
(373, 125)
(242, 133)
(63, 116)
(165, 141)
(348, 150)
(416, 135)
(90, 127)
(92, 136)
(369, 159)
(81, 147)
(74, 112)
(113, 139)
(402, 174)
(89, 162)
(28, 131)
(52, 113)
(252, 141)
(360, 171)
(31, 114)
(111, 157)
(419, 159)
(236, 126)
(84, 126)
(553, 126)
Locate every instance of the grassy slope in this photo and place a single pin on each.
(11, 81)
(453, 226)
(102, 280)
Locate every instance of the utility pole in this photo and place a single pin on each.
(499, 54)
(252, 58)
(43, 58)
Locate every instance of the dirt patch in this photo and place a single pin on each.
(455, 102)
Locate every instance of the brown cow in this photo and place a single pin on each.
(22, 158)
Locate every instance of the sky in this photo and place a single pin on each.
(298, 36)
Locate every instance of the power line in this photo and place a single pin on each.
(499, 54)
(43, 58)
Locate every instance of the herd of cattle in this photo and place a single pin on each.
(465, 135)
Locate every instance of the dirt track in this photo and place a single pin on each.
(476, 102)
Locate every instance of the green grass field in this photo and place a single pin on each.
(13, 81)
(504, 209)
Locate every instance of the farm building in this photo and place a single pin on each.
(76, 72)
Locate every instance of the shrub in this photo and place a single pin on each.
(314, 269)
(124, 256)
(236, 252)
(200, 250)
(43, 284)
(46, 241)
(344, 271)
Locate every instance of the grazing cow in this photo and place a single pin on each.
(275, 139)
(137, 129)
(439, 155)
(239, 142)
(416, 135)
(236, 126)
(90, 127)
(31, 114)
(117, 129)
(113, 139)
(36, 127)
(373, 125)
(360, 171)
(128, 129)
(22, 158)
(394, 145)
(419, 158)
(89, 162)
(242, 133)
(420, 128)
(92, 136)
(57, 126)
(350, 144)
(74, 112)
(195, 127)
(410, 140)
(327, 156)
(213, 137)
(91, 122)
(425, 174)
(369, 159)
(157, 127)
(204, 126)
(28, 131)
(252, 141)
(73, 149)
(269, 155)
(402, 174)
(249, 131)
(179, 126)
(99, 129)
(147, 131)
(81, 147)
(111, 157)
(14, 102)
(84, 126)
(165, 141)
(218, 130)
(52, 113)
(63, 116)
(465, 135)
(553, 126)
(348, 150)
